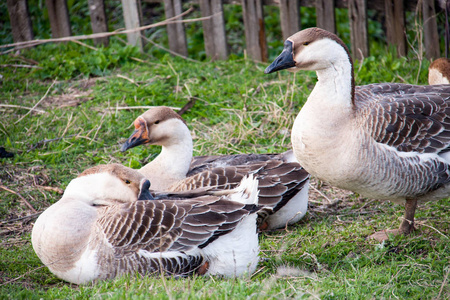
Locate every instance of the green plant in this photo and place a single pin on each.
(89, 110)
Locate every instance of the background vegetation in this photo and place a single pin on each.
(88, 112)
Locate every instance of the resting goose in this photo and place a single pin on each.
(99, 230)
(283, 183)
(439, 71)
(386, 141)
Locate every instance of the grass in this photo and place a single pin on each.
(237, 109)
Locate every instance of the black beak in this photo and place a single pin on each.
(134, 140)
(139, 136)
(144, 193)
(284, 61)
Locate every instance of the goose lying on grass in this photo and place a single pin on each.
(99, 230)
(283, 183)
(439, 71)
(384, 141)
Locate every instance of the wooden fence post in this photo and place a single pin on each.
(98, 20)
(132, 18)
(325, 15)
(430, 33)
(58, 15)
(357, 11)
(214, 29)
(175, 32)
(255, 36)
(19, 17)
(289, 17)
(395, 25)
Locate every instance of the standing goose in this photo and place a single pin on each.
(283, 183)
(439, 71)
(387, 141)
(99, 230)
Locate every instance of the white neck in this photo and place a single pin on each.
(81, 189)
(326, 114)
(174, 161)
(61, 233)
(97, 187)
(334, 86)
(333, 66)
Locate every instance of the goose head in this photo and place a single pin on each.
(158, 126)
(63, 231)
(105, 185)
(319, 50)
(310, 49)
(439, 71)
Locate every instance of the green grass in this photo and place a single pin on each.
(238, 109)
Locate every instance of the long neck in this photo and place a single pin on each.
(172, 163)
(61, 234)
(335, 84)
(100, 188)
(176, 157)
(83, 188)
(327, 110)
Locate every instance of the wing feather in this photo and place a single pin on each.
(166, 225)
(278, 181)
(407, 117)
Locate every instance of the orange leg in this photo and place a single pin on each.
(203, 268)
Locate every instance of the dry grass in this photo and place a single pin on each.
(326, 255)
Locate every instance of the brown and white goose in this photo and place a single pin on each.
(384, 141)
(439, 71)
(283, 183)
(99, 230)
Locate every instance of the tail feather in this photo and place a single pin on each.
(247, 192)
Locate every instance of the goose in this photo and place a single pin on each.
(104, 227)
(283, 183)
(386, 141)
(439, 71)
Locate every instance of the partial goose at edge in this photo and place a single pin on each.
(439, 71)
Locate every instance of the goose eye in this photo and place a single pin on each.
(127, 181)
(305, 43)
